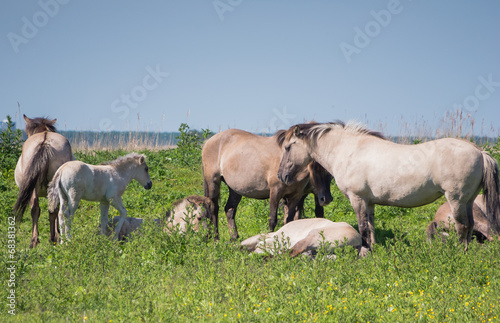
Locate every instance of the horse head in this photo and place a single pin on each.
(295, 157)
(37, 125)
(142, 173)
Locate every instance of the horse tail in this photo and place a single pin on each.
(491, 190)
(53, 191)
(35, 176)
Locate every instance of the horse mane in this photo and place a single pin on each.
(314, 130)
(37, 125)
(124, 160)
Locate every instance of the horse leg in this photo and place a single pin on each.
(319, 211)
(365, 217)
(230, 208)
(35, 214)
(72, 204)
(54, 228)
(104, 217)
(299, 210)
(212, 191)
(294, 209)
(464, 220)
(118, 204)
(274, 199)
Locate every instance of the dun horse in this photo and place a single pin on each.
(444, 220)
(248, 164)
(371, 170)
(305, 236)
(43, 152)
(185, 213)
(106, 183)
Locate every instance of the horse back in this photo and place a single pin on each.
(246, 161)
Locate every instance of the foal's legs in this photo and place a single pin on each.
(35, 214)
(69, 204)
(231, 207)
(366, 223)
(118, 204)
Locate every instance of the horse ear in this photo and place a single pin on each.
(296, 131)
(141, 159)
(28, 120)
(53, 122)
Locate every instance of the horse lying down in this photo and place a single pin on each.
(444, 220)
(305, 236)
(185, 213)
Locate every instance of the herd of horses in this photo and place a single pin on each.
(368, 169)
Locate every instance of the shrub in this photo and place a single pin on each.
(188, 151)
(11, 144)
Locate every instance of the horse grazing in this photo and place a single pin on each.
(105, 183)
(248, 164)
(371, 170)
(444, 219)
(42, 154)
(305, 236)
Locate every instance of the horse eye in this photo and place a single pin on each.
(287, 148)
(147, 169)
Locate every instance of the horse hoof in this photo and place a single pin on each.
(364, 252)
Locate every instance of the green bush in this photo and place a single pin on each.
(11, 144)
(188, 151)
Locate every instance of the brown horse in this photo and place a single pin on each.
(444, 219)
(248, 164)
(43, 152)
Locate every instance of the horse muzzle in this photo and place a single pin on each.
(325, 199)
(285, 178)
(148, 185)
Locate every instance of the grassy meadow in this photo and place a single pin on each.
(185, 278)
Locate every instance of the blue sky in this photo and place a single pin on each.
(250, 64)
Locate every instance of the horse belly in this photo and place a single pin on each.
(411, 198)
(252, 189)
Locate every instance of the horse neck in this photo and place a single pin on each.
(325, 149)
(126, 173)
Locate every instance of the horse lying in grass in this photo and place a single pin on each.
(185, 213)
(105, 183)
(445, 221)
(370, 170)
(248, 164)
(305, 236)
(43, 153)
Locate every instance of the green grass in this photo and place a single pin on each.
(183, 278)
